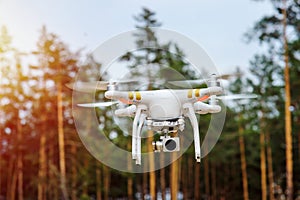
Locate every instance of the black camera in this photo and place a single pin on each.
(166, 144)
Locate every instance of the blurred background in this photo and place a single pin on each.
(43, 44)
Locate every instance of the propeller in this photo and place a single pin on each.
(88, 86)
(98, 85)
(189, 83)
(97, 104)
(237, 96)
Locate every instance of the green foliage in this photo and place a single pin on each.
(153, 56)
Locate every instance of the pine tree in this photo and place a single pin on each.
(155, 62)
(60, 61)
(280, 32)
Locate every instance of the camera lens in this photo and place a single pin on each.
(170, 145)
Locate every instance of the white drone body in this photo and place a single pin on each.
(162, 111)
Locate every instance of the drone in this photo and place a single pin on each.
(163, 111)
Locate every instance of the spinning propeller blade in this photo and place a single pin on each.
(98, 85)
(237, 96)
(98, 104)
(88, 86)
(189, 83)
(228, 76)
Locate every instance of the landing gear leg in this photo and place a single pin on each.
(136, 133)
(194, 122)
(139, 138)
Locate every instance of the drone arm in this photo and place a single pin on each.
(213, 90)
(203, 108)
(191, 115)
(126, 112)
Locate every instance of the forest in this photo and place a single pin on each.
(257, 156)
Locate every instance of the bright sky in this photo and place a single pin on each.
(217, 25)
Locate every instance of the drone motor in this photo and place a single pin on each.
(112, 86)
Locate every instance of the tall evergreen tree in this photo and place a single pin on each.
(60, 61)
(154, 61)
(280, 32)
(238, 87)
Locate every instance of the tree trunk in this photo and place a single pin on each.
(226, 186)
(42, 169)
(191, 179)
(13, 186)
(214, 182)
(174, 177)
(85, 179)
(74, 172)
(184, 182)
(270, 166)
(179, 172)
(263, 166)
(53, 186)
(197, 180)
(162, 177)
(288, 121)
(129, 178)
(152, 178)
(243, 163)
(206, 177)
(144, 185)
(42, 162)
(10, 176)
(106, 174)
(61, 142)
(129, 187)
(20, 161)
(98, 182)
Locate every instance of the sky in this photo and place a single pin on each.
(216, 25)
